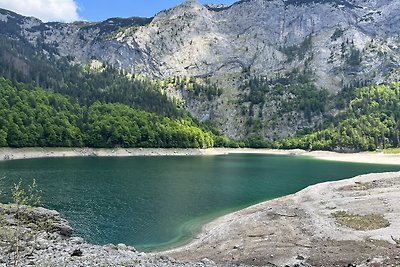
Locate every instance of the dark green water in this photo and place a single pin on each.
(156, 202)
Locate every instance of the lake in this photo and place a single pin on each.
(154, 203)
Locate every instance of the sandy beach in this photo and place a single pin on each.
(28, 153)
(360, 157)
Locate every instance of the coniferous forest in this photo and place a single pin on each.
(370, 120)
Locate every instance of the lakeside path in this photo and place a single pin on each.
(28, 153)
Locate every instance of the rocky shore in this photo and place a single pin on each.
(40, 237)
(29, 153)
(355, 222)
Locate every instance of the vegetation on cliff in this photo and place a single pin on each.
(370, 120)
(20, 62)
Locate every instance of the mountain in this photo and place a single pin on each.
(267, 37)
(279, 63)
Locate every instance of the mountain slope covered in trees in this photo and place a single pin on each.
(301, 84)
(31, 116)
(341, 43)
(371, 120)
(21, 62)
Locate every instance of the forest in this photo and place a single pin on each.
(21, 63)
(294, 92)
(31, 117)
(47, 101)
(370, 121)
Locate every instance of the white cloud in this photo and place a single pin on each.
(46, 10)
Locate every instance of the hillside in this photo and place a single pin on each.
(284, 71)
(33, 117)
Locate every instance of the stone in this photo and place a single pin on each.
(41, 244)
(110, 247)
(77, 240)
(77, 253)
(64, 229)
(207, 261)
(122, 246)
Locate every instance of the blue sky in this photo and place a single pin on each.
(92, 10)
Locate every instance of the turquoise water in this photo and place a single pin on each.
(157, 202)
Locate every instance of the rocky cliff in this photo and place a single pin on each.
(340, 42)
(267, 37)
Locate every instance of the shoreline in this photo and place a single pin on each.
(302, 228)
(31, 153)
(286, 230)
(295, 230)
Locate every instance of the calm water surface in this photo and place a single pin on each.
(158, 202)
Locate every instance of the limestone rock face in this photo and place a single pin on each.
(341, 42)
(265, 36)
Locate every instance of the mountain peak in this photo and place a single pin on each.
(333, 43)
(269, 37)
(191, 4)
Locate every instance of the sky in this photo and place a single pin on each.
(92, 10)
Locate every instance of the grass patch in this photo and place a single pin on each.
(361, 222)
(391, 150)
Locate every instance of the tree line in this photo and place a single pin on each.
(370, 121)
(31, 117)
(21, 62)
